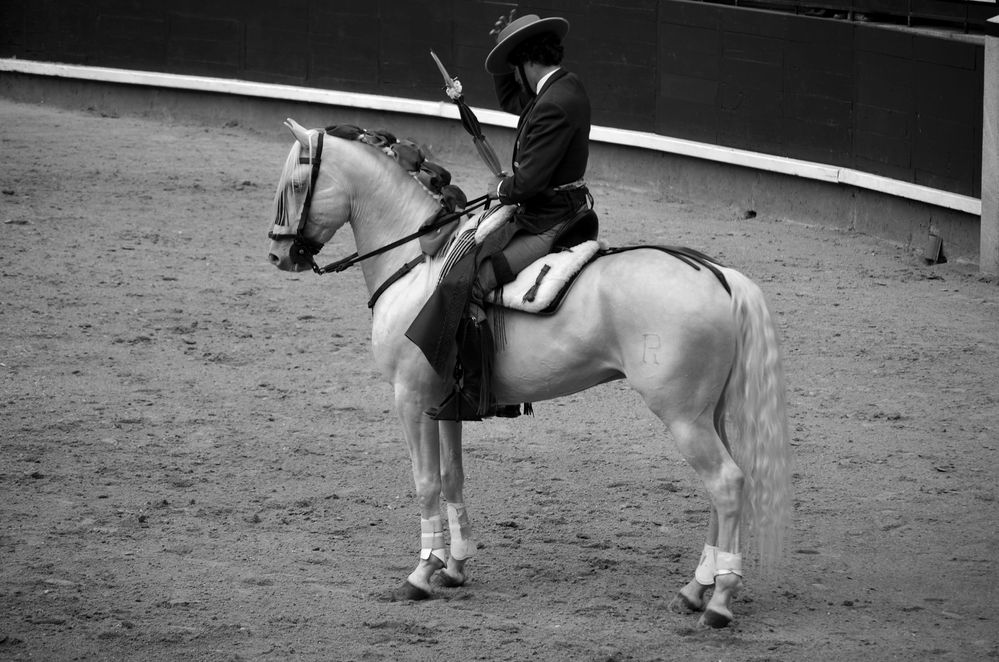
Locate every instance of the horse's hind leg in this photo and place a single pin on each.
(721, 562)
(691, 597)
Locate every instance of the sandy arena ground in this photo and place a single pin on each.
(200, 461)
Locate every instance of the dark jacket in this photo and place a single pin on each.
(551, 148)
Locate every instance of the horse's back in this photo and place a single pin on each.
(640, 312)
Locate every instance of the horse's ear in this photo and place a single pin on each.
(301, 133)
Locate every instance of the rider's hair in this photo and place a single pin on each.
(545, 49)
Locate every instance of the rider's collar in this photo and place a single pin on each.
(544, 79)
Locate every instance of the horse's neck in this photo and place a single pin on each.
(388, 205)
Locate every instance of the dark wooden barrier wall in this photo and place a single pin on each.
(882, 99)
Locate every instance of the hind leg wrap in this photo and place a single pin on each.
(727, 563)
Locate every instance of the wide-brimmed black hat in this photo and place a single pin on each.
(516, 32)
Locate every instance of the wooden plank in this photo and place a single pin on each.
(939, 10)
(207, 46)
(278, 42)
(755, 136)
(873, 39)
(771, 25)
(614, 76)
(751, 102)
(346, 53)
(404, 55)
(837, 113)
(635, 17)
(693, 121)
(70, 33)
(948, 52)
(876, 150)
(821, 34)
(690, 39)
(753, 76)
(883, 121)
(818, 142)
(942, 92)
(752, 48)
(885, 81)
(815, 57)
(695, 14)
(133, 41)
(702, 91)
(817, 83)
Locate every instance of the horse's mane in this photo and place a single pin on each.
(411, 157)
(408, 155)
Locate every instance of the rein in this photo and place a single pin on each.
(304, 250)
(441, 220)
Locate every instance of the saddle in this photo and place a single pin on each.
(539, 286)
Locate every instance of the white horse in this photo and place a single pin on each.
(715, 361)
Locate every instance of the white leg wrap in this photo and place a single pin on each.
(462, 543)
(705, 573)
(432, 538)
(728, 564)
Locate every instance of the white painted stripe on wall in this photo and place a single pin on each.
(653, 141)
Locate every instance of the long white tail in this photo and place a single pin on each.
(758, 430)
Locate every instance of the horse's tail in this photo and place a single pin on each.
(754, 405)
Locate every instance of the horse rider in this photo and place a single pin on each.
(549, 160)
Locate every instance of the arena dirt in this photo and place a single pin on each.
(200, 461)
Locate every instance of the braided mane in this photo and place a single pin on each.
(412, 158)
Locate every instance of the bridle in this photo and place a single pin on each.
(303, 250)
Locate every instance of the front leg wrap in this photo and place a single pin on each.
(705, 573)
(432, 539)
(462, 543)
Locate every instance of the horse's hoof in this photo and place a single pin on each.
(681, 604)
(450, 581)
(715, 619)
(406, 593)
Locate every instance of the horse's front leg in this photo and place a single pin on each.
(453, 480)
(424, 450)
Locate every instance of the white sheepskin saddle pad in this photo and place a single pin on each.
(536, 287)
(542, 281)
